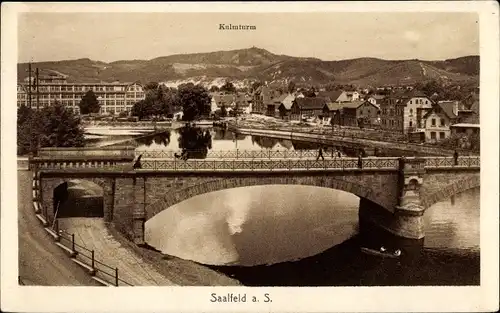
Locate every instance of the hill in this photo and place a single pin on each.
(245, 65)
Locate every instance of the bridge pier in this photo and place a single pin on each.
(407, 219)
(139, 213)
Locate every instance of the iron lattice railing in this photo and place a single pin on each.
(269, 165)
(272, 161)
(464, 161)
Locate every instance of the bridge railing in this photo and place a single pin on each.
(462, 161)
(273, 160)
(270, 165)
(237, 154)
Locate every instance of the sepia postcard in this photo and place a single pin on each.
(250, 157)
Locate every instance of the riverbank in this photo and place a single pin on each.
(336, 137)
(178, 271)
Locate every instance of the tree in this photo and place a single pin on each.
(160, 100)
(151, 86)
(331, 87)
(430, 88)
(123, 114)
(214, 88)
(54, 126)
(141, 109)
(228, 87)
(89, 103)
(195, 101)
(291, 87)
(310, 93)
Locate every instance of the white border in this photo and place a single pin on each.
(192, 299)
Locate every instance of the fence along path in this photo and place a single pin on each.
(111, 254)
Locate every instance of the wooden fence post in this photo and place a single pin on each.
(116, 276)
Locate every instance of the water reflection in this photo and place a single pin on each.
(194, 142)
(285, 227)
(159, 139)
(309, 235)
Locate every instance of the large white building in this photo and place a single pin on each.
(114, 97)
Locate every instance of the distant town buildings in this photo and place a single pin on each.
(114, 97)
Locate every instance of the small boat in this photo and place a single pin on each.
(382, 252)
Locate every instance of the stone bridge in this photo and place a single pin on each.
(393, 192)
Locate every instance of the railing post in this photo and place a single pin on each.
(236, 153)
(92, 259)
(73, 243)
(116, 276)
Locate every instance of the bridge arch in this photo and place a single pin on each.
(179, 195)
(78, 198)
(450, 190)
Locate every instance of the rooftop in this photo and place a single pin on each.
(311, 103)
(466, 125)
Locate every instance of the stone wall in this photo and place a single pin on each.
(380, 187)
(442, 184)
(123, 206)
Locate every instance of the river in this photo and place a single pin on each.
(303, 235)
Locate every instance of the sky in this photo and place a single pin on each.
(328, 36)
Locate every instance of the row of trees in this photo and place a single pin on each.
(160, 100)
(54, 126)
(438, 91)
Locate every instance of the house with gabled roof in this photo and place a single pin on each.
(376, 99)
(264, 101)
(438, 119)
(334, 96)
(352, 95)
(285, 106)
(403, 111)
(307, 107)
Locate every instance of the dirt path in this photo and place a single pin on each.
(93, 235)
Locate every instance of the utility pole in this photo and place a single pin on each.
(29, 106)
(37, 108)
(37, 90)
(29, 85)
